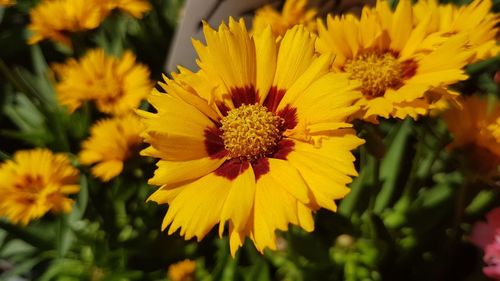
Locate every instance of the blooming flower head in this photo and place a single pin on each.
(256, 138)
(294, 12)
(182, 271)
(474, 19)
(116, 85)
(57, 19)
(381, 49)
(473, 126)
(111, 143)
(136, 8)
(486, 235)
(35, 182)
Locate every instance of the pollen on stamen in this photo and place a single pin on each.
(251, 131)
(376, 71)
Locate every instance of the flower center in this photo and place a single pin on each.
(251, 131)
(377, 72)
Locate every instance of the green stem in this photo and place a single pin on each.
(4, 69)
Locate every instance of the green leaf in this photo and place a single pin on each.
(391, 165)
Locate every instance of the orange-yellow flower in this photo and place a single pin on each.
(257, 138)
(7, 3)
(294, 12)
(182, 271)
(111, 143)
(57, 19)
(475, 19)
(136, 8)
(389, 53)
(116, 84)
(35, 182)
(474, 126)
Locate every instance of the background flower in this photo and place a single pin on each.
(383, 50)
(111, 143)
(136, 8)
(474, 19)
(486, 235)
(35, 182)
(294, 12)
(182, 271)
(115, 84)
(57, 19)
(470, 124)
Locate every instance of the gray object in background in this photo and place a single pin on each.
(214, 12)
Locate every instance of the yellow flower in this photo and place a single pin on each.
(257, 138)
(390, 56)
(57, 19)
(474, 126)
(116, 85)
(136, 8)
(35, 182)
(182, 271)
(7, 3)
(111, 143)
(474, 19)
(294, 12)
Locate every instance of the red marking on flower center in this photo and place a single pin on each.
(260, 168)
(408, 69)
(244, 95)
(289, 114)
(222, 108)
(231, 169)
(285, 146)
(274, 98)
(214, 144)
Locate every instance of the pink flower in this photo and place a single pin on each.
(486, 235)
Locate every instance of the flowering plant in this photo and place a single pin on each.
(314, 141)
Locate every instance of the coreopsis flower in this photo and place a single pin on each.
(35, 182)
(7, 3)
(116, 84)
(473, 128)
(381, 49)
(136, 8)
(486, 235)
(294, 12)
(257, 138)
(182, 271)
(475, 19)
(57, 19)
(111, 143)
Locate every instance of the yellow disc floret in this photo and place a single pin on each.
(251, 131)
(377, 72)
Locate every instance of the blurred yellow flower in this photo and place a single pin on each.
(136, 8)
(111, 143)
(116, 85)
(474, 126)
(475, 19)
(294, 12)
(7, 3)
(182, 271)
(57, 19)
(257, 138)
(383, 49)
(35, 182)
